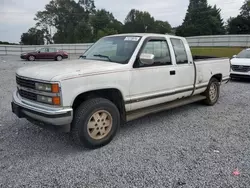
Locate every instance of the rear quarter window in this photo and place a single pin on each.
(180, 51)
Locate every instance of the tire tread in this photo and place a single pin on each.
(207, 101)
(83, 110)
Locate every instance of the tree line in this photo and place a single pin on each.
(7, 43)
(241, 23)
(67, 21)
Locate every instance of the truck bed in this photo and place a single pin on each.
(197, 58)
(205, 67)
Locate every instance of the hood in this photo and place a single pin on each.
(66, 69)
(240, 61)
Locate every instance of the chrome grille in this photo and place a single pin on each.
(28, 95)
(240, 68)
(25, 83)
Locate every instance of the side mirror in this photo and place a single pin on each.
(147, 59)
(234, 56)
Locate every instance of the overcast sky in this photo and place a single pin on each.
(16, 16)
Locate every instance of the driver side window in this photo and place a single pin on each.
(159, 48)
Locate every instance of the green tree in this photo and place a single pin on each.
(116, 25)
(245, 9)
(201, 19)
(66, 17)
(138, 21)
(7, 43)
(88, 5)
(104, 23)
(83, 32)
(101, 19)
(241, 23)
(33, 37)
(162, 27)
(238, 25)
(105, 32)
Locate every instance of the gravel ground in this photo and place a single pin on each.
(191, 146)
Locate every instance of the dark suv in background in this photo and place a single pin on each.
(45, 53)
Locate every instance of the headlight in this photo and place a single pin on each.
(49, 100)
(54, 88)
(43, 87)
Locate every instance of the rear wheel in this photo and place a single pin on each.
(213, 92)
(95, 123)
(59, 58)
(31, 58)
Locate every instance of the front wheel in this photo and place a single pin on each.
(59, 58)
(213, 92)
(95, 123)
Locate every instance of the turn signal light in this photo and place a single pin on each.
(56, 100)
(55, 88)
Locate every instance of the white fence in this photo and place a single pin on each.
(199, 41)
(18, 49)
(220, 41)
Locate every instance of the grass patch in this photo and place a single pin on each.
(216, 51)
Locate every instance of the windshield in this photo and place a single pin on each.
(118, 49)
(244, 54)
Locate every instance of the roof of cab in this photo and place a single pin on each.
(144, 35)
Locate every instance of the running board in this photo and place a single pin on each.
(161, 107)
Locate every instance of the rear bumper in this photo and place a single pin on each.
(42, 116)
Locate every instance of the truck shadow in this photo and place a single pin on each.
(159, 116)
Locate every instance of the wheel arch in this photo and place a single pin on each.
(218, 77)
(58, 55)
(112, 94)
(31, 55)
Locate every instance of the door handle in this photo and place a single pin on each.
(172, 72)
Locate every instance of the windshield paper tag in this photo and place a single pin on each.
(132, 38)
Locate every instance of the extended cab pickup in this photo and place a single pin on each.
(118, 79)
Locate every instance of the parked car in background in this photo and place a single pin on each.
(45, 53)
(240, 65)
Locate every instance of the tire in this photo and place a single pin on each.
(213, 92)
(88, 128)
(31, 58)
(59, 58)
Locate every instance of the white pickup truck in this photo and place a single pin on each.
(118, 79)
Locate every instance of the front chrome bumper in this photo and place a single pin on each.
(40, 113)
(239, 75)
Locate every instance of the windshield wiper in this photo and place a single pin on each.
(82, 56)
(104, 56)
